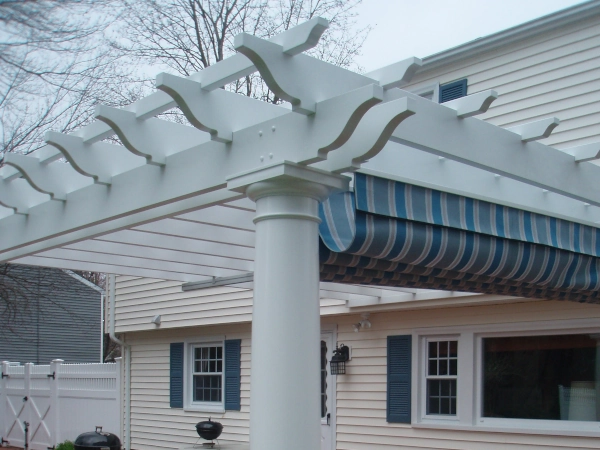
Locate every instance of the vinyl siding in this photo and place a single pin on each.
(140, 299)
(61, 319)
(552, 74)
(361, 393)
(154, 425)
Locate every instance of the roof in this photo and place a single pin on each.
(514, 34)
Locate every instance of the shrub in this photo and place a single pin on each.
(67, 445)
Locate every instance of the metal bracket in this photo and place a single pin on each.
(51, 448)
(52, 375)
(4, 441)
(5, 375)
(25, 399)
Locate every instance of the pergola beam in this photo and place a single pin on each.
(443, 174)
(435, 129)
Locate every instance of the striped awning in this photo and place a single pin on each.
(395, 234)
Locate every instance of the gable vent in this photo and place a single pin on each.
(454, 90)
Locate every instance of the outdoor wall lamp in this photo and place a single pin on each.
(364, 323)
(337, 364)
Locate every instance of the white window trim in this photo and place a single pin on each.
(433, 88)
(188, 361)
(470, 382)
(425, 340)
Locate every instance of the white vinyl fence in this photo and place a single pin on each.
(58, 402)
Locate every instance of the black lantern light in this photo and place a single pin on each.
(341, 354)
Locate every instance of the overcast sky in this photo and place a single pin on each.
(404, 28)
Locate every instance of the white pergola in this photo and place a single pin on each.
(238, 192)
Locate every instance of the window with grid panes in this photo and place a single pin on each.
(207, 374)
(441, 378)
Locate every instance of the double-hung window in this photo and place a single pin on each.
(207, 374)
(442, 374)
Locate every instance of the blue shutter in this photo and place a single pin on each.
(176, 372)
(232, 374)
(399, 385)
(454, 90)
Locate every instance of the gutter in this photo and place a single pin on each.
(127, 357)
(511, 35)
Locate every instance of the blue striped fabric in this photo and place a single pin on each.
(404, 201)
(401, 235)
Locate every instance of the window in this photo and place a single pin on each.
(544, 380)
(540, 377)
(442, 371)
(207, 374)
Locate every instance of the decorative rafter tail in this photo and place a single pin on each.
(293, 41)
(397, 74)
(54, 179)
(370, 136)
(533, 131)
(473, 104)
(583, 153)
(300, 80)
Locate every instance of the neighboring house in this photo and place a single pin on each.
(428, 370)
(54, 314)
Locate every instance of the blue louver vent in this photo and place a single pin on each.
(176, 375)
(232, 374)
(454, 90)
(399, 383)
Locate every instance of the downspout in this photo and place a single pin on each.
(127, 359)
(102, 327)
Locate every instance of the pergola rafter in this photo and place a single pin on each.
(171, 202)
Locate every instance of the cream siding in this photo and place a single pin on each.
(552, 74)
(361, 393)
(140, 299)
(154, 425)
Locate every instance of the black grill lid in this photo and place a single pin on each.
(98, 438)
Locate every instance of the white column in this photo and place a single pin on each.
(285, 377)
(55, 401)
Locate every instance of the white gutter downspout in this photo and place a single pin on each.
(127, 358)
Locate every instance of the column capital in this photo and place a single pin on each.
(288, 178)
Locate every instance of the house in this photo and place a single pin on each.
(499, 361)
(461, 271)
(50, 314)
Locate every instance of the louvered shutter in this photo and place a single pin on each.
(399, 385)
(176, 374)
(454, 90)
(232, 374)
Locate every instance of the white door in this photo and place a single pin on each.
(327, 394)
